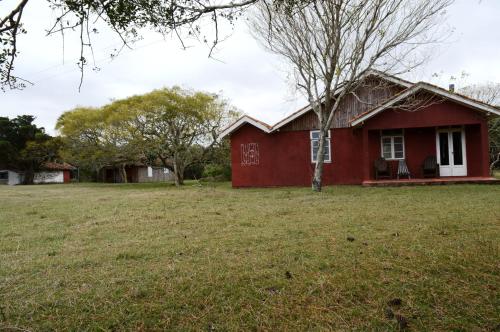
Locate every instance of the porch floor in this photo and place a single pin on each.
(430, 181)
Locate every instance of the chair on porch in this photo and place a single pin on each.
(382, 169)
(403, 169)
(430, 168)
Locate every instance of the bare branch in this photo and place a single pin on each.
(331, 45)
(125, 18)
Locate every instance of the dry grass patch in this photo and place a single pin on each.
(154, 257)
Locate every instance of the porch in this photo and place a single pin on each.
(432, 181)
(460, 152)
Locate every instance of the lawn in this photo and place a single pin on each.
(153, 257)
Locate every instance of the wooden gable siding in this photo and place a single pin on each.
(368, 96)
(307, 121)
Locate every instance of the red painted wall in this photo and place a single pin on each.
(442, 114)
(420, 139)
(421, 143)
(285, 157)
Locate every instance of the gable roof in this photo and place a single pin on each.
(376, 73)
(53, 166)
(410, 89)
(242, 121)
(268, 129)
(422, 86)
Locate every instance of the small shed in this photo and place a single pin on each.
(136, 173)
(10, 177)
(52, 172)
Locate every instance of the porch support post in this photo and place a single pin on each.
(366, 155)
(485, 149)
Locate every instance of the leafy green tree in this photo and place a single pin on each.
(81, 131)
(24, 146)
(43, 148)
(7, 145)
(218, 166)
(179, 127)
(98, 137)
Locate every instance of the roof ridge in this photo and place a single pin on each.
(417, 86)
(388, 77)
(259, 121)
(408, 86)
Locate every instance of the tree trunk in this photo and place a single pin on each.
(318, 168)
(494, 163)
(178, 172)
(179, 178)
(124, 173)
(29, 176)
(317, 178)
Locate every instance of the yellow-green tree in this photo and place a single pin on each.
(176, 126)
(97, 137)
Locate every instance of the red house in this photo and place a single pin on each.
(377, 121)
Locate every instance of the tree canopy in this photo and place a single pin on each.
(96, 137)
(173, 126)
(24, 146)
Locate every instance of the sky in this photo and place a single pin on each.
(253, 80)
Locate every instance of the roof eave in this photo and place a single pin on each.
(424, 86)
(390, 78)
(241, 122)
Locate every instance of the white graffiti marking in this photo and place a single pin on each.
(249, 154)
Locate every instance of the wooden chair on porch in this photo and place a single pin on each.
(430, 168)
(382, 169)
(403, 169)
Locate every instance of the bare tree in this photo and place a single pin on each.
(126, 18)
(332, 44)
(490, 94)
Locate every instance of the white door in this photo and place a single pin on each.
(451, 156)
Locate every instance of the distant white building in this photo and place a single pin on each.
(50, 173)
(10, 177)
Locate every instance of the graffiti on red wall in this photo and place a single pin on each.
(249, 154)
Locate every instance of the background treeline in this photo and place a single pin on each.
(172, 127)
(25, 147)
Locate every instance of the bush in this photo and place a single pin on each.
(217, 172)
(193, 172)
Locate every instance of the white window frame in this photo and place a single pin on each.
(328, 140)
(393, 153)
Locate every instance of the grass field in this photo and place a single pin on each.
(153, 257)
